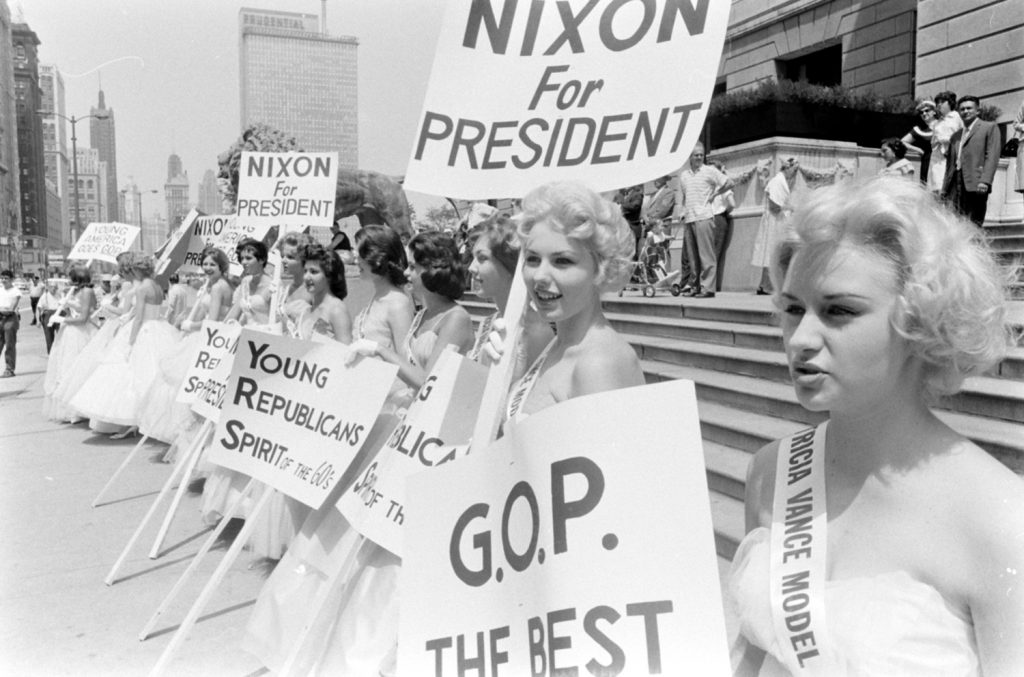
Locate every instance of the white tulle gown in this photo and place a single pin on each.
(82, 366)
(113, 394)
(357, 632)
(71, 341)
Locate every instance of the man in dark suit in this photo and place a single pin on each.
(971, 163)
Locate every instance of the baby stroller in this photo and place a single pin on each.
(650, 270)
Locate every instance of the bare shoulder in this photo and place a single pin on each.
(605, 361)
(987, 499)
(399, 302)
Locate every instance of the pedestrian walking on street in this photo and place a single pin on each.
(9, 298)
(45, 306)
(35, 291)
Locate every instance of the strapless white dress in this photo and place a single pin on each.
(889, 624)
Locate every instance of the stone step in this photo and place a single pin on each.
(717, 365)
(766, 364)
(1007, 242)
(727, 519)
(743, 430)
(725, 333)
(996, 229)
(731, 307)
(995, 397)
(743, 393)
(756, 401)
(999, 398)
(1013, 365)
(726, 468)
(1003, 439)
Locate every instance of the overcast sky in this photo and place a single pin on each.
(169, 71)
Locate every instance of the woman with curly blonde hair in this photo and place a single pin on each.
(882, 542)
(575, 246)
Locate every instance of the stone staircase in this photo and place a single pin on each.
(731, 348)
(1007, 241)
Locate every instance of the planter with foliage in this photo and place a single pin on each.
(806, 111)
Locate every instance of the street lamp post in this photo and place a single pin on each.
(74, 156)
(142, 229)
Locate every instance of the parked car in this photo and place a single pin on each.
(21, 283)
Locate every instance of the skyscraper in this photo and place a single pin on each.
(175, 193)
(10, 238)
(102, 138)
(31, 160)
(55, 146)
(209, 195)
(91, 185)
(296, 78)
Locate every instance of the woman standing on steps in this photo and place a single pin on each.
(882, 542)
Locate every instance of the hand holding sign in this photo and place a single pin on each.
(294, 416)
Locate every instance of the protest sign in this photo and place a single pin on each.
(605, 92)
(104, 241)
(579, 543)
(209, 366)
(216, 230)
(286, 189)
(295, 415)
(441, 417)
(171, 253)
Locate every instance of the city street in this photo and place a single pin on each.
(58, 617)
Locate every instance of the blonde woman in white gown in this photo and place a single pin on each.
(888, 300)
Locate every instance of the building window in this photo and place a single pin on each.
(820, 67)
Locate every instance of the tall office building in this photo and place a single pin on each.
(296, 78)
(91, 185)
(10, 221)
(175, 193)
(31, 160)
(102, 138)
(55, 147)
(209, 196)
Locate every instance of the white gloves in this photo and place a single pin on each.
(188, 326)
(494, 345)
(361, 348)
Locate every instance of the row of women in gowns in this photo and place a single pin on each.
(887, 300)
(103, 374)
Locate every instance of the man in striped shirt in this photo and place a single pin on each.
(699, 184)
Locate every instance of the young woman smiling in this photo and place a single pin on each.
(292, 299)
(251, 303)
(324, 280)
(576, 245)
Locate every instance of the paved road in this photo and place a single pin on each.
(56, 615)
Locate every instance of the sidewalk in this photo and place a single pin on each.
(56, 615)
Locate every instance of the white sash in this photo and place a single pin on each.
(481, 337)
(798, 547)
(417, 320)
(521, 390)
